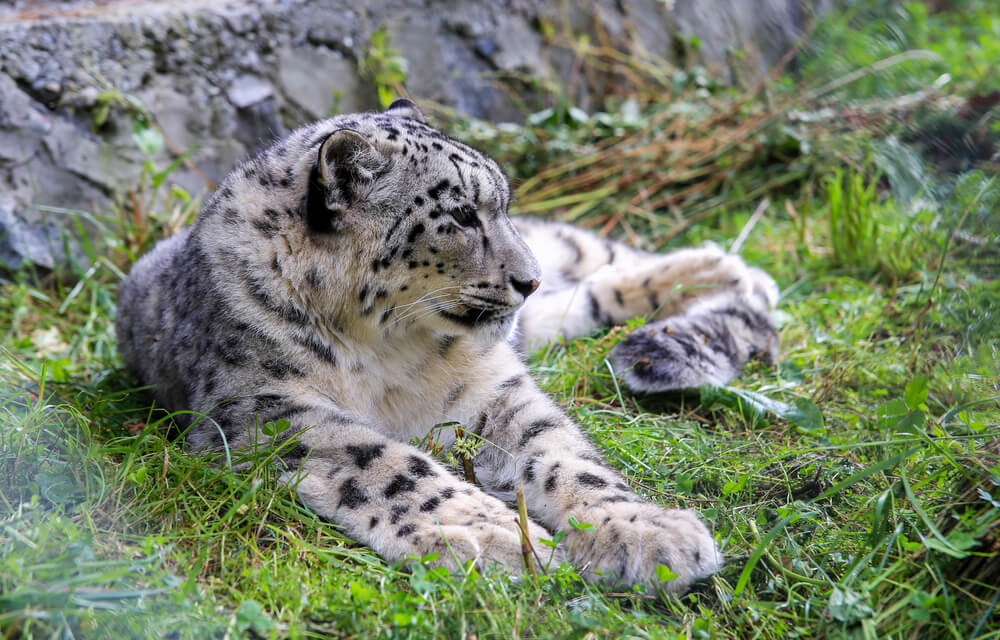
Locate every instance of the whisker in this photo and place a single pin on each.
(422, 299)
(419, 314)
(433, 294)
(430, 309)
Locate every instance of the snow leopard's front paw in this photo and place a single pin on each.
(477, 527)
(630, 540)
(423, 512)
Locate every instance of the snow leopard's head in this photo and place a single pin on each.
(432, 215)
(373, 224)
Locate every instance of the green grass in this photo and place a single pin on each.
(964, 41)
(854, 488)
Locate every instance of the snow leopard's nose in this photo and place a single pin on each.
(524, 287)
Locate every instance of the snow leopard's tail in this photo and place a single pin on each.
(709, 343)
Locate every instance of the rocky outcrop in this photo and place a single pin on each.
(221, 77)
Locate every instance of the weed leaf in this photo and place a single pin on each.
(251, 616)
(755, 407)
(664, 573)
(849, 606)
(916, 392)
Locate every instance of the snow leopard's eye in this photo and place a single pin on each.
(465, 216)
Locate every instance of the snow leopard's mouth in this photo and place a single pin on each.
(478, 316)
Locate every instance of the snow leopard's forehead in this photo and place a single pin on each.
(449, 172)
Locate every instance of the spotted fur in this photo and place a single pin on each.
(709, 313)
(361, 280)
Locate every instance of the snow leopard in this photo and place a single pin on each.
(361, 284)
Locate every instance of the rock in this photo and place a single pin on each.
(111, 163)
(248, 90)
(300, 67)
(23, 244)
(222, 77)
(519, 47)
(259, 124)
(761, 31)
(445, 69)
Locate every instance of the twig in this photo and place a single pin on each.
(748, 227)
(527, 552)
(470, 471)
(875, 67)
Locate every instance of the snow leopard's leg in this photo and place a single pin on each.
(564, 477)
(709, 343)
(709, 311)
(395, 498)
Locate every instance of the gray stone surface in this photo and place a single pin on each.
(761, 31)
(22, 244)
(222, 77)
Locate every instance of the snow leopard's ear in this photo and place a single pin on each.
(406, 108)
(345, 171)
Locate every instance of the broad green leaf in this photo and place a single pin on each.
(401, 619)
(664, 573)
(916, 392)
(890, 413)
(556, 539)
(849, 606)
(149, 140)
(362, 593)
(912, 423)
(274, 428)
(755, 407)
(941, 547)
(251, 616)
(805, 415)
(732, 487)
